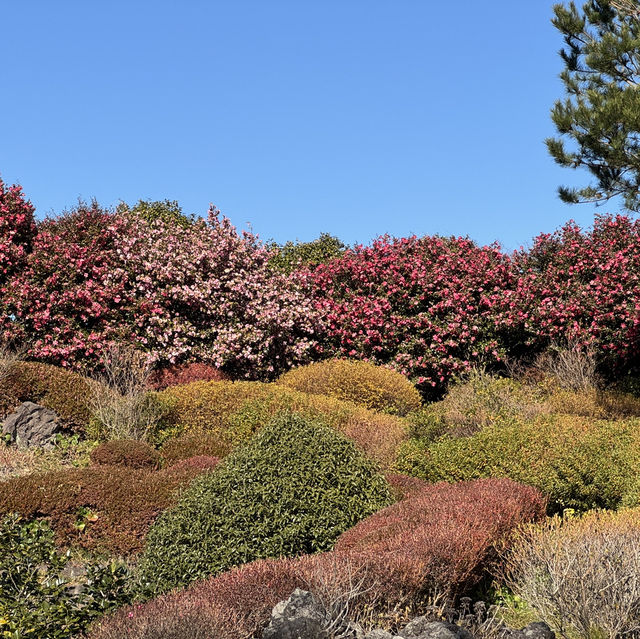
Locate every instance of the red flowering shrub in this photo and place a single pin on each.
(125, 452)
(17, 230)
(100, 507)
(426, 306)
(583, 287)
(442, 539)
(178, 374)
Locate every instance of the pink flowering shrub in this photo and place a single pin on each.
(426, 306)
(582, 287)
(198, 292)
(17, 228)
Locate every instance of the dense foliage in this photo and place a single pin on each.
(235, 411)
(98, 508)
(374, 387)
(36, 599)
(599, 115)
(292, 490)
(577, 463)
(125, 452)
(199, 291)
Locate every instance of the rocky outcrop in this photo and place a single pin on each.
(32, 426)
(302, 616)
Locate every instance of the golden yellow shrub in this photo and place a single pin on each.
(236, 410)
(373, 387)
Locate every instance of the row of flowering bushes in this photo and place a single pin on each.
(429, 307)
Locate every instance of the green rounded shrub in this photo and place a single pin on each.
(292, 490)
(578, 463)
(374, 387)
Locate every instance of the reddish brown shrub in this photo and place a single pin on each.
(100, 507)
(193, 445)
(440, 541)
(125, 452)
(200, 463)
(185, 374)
(237, 603)
(404, 486)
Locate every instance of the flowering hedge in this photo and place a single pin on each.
(583, 287)
(427, 306)
(193, 292)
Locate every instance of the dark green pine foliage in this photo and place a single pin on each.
(600, 114)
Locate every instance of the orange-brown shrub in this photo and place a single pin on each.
(440, 541)
(234, 411)
(200, 463)
(100, 507)
(374, 387)
(66, 393)
(125, 452)
(185, 374)
(193, 445)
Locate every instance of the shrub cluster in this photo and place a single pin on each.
(100, 507)
(180, 292)
(65, 392)
(375, 387)
(125, 452)
(292, 490)
(433, 307)
(35, 597)
(456, 524)
(234, 411)
(576, 462)
(17, 230)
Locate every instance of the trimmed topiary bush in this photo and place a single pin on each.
(576, 462)
(66, 393)
(235, 411)
(125, 452)
(371, 386)
(292, 490)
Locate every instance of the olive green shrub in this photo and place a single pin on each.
(292, 490)
(577, 462)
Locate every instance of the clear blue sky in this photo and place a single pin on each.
(354, 117)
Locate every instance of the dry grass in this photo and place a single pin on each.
(121, 405)
(581, 575)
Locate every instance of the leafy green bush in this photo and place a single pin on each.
(294, 255)
(374, 387)
(35, 598)
(292, 490)
(577, 462)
